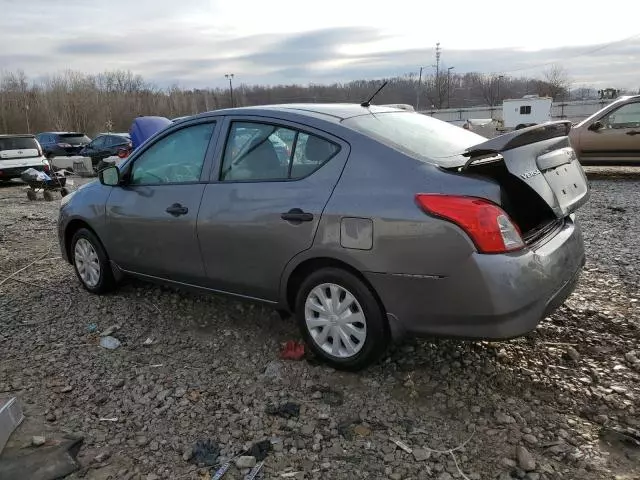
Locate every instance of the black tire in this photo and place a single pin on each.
(106, 281)
(520, 126)
(48, 196)
(31, 195)
(377, 328)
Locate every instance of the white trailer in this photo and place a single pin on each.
(525, 111)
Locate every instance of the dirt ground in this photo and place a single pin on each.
(560, 403)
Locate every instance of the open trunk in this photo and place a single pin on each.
(541, 179)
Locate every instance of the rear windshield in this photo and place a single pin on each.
(74, 138)
(416, 135)
(18, 143)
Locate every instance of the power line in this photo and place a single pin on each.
(587, 52)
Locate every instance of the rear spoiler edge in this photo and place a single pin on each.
(519, 138)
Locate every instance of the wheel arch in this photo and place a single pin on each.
(307, 266)
(70, 230)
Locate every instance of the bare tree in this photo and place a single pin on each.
(556, 82)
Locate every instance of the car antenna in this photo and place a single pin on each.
(367, 103)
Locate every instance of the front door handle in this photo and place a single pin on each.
(176, 210)
(633, 132)
(296, 215)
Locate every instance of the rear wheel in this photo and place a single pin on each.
(91, 263)
(31, 195)
(48, 196)
(341, 320)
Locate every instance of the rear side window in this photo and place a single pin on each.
(74, 138)
(257, 151)
(416, 135)
(18, 143)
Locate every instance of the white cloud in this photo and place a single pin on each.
(194, 42)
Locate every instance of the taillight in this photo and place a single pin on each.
(489, 227)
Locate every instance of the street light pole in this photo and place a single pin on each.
(449, 86)
(230, 77)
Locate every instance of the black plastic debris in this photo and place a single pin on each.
(260, 450)
(285, 410)
(205, 453)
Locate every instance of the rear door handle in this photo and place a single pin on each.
(296, 215)
(633, 132)
(176, 210)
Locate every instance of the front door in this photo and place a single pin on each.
(152, 217)
(618, 140)
(265, 202)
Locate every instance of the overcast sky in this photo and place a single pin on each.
(195, 42)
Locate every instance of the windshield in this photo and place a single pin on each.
(74, 138)
(417, 135)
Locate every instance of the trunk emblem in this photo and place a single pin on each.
(529, 174)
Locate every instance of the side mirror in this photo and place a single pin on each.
(595, 126)
(109, 176)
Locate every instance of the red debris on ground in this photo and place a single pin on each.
(292, 350)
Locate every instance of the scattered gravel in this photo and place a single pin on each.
(560, 403)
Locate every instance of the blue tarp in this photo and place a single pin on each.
(144, 127)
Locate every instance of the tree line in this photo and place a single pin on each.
(75, 101)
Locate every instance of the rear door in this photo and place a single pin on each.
(18, 148)
(619, 138)
(264, 202)
(151, 218)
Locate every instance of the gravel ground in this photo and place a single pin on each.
(560, 403)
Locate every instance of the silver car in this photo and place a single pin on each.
(383, 222)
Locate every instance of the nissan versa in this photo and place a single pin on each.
(378, 222)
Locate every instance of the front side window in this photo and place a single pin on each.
(627, 116)
(257, 151)
(176, 158)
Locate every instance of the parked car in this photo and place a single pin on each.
(19, 153)
(106, 145)
(610, 136)
(62, 144)
(385, 222)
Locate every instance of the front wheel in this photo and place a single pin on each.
(341, 319)
(91, 263)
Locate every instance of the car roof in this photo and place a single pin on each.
(61, 133)
(17, 135)
(334, 111)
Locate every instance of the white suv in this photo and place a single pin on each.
(18, 153)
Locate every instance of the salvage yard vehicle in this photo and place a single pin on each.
(19, 153)
(61, 144)
(105, 145)
(382, 223)
(610, 136)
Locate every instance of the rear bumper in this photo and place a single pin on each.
(489, 296)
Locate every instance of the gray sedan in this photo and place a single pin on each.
(381, 222)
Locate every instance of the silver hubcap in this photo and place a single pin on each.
(87, 262)
(335, 320)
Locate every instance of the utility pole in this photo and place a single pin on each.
(500, 77)
(230, 77)
(26, 114)
(418, 93)
(449, 86)
(438, 86)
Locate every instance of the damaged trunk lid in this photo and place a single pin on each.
(541, 158)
